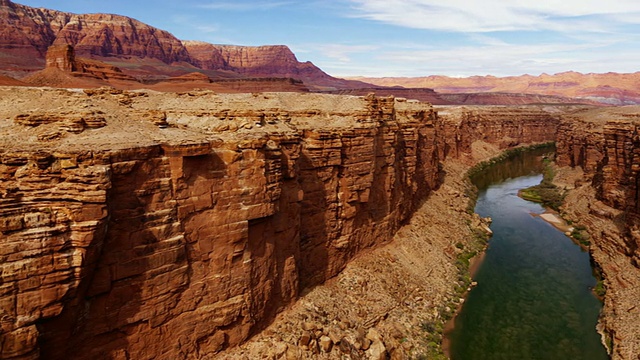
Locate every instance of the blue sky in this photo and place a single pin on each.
(407, 37)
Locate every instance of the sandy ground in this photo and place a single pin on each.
(557, 221)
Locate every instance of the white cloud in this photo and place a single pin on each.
(343, 52)
(492, 57)
(501, 15)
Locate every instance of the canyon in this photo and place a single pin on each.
(155, 225)
(164, 199)
(600, 156)
(141, 224)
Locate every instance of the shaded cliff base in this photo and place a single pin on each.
(390, 302)
(619, 324)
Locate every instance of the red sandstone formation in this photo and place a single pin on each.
(604, 144)
(27, 33)
(64, 69)
(262, 61)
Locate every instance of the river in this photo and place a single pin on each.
(533, 299)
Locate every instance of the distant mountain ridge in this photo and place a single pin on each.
(610, 88)
(26, 33)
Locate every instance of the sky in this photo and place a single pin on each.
(406, 37)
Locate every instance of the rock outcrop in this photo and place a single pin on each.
(181, 232)
(63, 57)
(262, 61)
(250, 60)
(604, 145)
(89, 34)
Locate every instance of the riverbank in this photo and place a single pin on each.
(618, 323)
(556, 220)
(390, 301)
(532, 292)
(395, 300)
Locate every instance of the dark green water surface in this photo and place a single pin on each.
(533, 299)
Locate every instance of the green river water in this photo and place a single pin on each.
(533, 299)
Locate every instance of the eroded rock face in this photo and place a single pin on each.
(605, 145)
(608, 150)
(63, 57)
(250, 60)
(89, 34)
(502, 126)
(256, 61)
(181, 231)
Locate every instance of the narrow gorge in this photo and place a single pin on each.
(145, 225)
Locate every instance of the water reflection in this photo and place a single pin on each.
(519, 164)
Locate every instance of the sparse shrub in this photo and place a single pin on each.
(600, 290)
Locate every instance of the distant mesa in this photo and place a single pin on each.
(609, 88)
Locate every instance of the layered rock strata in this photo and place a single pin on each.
(605, 147)
(500, 126)
(181, 231)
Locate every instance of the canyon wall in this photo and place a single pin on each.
(605, 146)
(180, 231)
(35, 29)
(501, 126)
(140, 50)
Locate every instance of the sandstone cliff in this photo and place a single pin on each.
(262, 61)
(181, 231)
(604, 145)
(193, 242)
(26, 34)
(91, 34)
(250, 60)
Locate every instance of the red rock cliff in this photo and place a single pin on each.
(261, 61)
(501, 126)
(184, 248)
(26, 34)
(178, 232)
(604, 143)
(34, 30)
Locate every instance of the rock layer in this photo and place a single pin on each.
(605, 146)
(180, 237)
